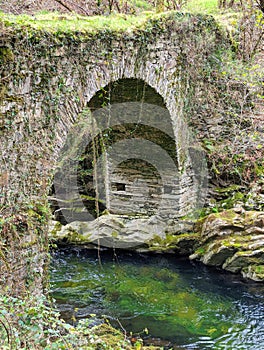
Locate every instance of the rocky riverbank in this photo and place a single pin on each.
(232, 239)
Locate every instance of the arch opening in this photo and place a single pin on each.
(129, 155)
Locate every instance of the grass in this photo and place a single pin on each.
(55, 22)
(202, 6)
(228, 18)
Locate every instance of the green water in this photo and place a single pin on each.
(188, 305)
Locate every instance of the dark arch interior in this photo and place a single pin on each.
(132, 171)
(126, 90)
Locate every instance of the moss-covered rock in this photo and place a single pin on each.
(254, 272)
(121, 231)
(181, 244)
(242, 259)
(233, 240)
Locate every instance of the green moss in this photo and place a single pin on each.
(245, 253)
(230, 200)
(228, 243)
(172, 242)
(250, 217)
(200, 251)
(237, 241)
(57, 227)
(76, 28)
(6, 54)
(90, 198)
(227, 215)
(109, 337)
(228, 189)
(254, 272)
(74, 237)
(259, 269)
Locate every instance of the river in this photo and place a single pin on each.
(183, 305)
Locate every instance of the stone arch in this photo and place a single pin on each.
(142, 114)
(180, 181)
(135, 65)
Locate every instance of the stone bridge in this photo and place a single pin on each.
(50, 82)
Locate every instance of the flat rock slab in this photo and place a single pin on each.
(110, 231)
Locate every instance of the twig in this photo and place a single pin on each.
(62, 4)
(73, 4)
(8, 331)
(123, 329)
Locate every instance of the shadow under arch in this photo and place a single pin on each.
(130, 110)
(115, 131)
(126, 109)
(126, 90)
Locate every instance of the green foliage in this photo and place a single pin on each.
(143, 5)
(31, 323)
(27, 323)
(6, 54)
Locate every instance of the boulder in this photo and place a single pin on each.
(120, 231)
(254, 272)
(233, 240)
(110, 231)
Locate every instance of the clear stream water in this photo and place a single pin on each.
(184, 305)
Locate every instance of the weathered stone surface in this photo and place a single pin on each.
(111, 231)
(234, 250)
(120, 231)
(243, 259)
(216, 254)
(181, 244)
(59, 77)
(45, 92)
(254, 272)
(234, 241)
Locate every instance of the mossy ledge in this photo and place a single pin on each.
(233, 240)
